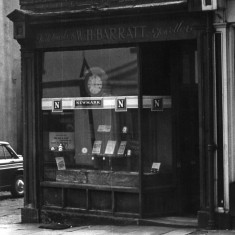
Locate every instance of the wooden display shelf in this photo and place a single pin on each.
(96, 177)
(52, 184)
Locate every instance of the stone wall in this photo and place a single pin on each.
(10, 80)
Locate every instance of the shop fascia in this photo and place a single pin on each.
(114, 33)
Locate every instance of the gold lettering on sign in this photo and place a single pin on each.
(97, 34)
(79, 35)
(112, 33)
(89, 35)
(176, 29)
(116, 33)
(121, 34)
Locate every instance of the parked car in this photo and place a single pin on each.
(11, 170)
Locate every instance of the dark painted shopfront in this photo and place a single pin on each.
(118, 110)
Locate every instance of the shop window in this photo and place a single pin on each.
(90, 113)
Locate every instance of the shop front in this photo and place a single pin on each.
(117, 112)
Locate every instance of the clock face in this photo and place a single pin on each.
(94, 81)
(94, 84)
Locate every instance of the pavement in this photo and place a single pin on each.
(10, 224)
(10, 208)
(34, 229)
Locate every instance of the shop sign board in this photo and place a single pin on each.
(100, 34)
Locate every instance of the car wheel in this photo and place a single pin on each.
(17, 188)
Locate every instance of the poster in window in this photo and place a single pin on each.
(97, 147)
(61, 138)
(104, 128)
(110, 147)
(155, 167)
(122, 148)
(60, 163)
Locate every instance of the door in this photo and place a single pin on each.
(171, 136)
(187, 128)
(188, 156)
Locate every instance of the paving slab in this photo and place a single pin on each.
(213, 232)
(25, 229)
(180, 232)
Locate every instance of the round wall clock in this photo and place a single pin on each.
(94, 81)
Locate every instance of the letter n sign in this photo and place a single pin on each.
(157, 104)
(57, 106)
(120, 105)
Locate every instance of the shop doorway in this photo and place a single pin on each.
(188, 151)
(185, 94)
(169, 69)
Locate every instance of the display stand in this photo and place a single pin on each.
(116, 152)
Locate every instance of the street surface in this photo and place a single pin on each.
(10, 208)
(10, 224)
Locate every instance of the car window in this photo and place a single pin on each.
(2, 155)
(11, 151)
(7, 153)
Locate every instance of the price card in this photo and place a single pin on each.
(104, 128)
(60, 163)
(122, 147)
(110, 147)
(97, 147)
(155, 167)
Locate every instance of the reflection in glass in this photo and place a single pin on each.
(65, 73)
(90, 136)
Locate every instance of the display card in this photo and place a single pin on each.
(155, 167)
(104, 128)
(122, 147)
(60, 163)
(97, 147)
(110, 147)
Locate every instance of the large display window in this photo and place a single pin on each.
(90, 112)
(90, 105)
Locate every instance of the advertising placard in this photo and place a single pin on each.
(64, 138)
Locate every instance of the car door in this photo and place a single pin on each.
(3, 167)
(9, 163)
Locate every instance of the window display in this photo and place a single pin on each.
(90, 111)
(91, 115)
